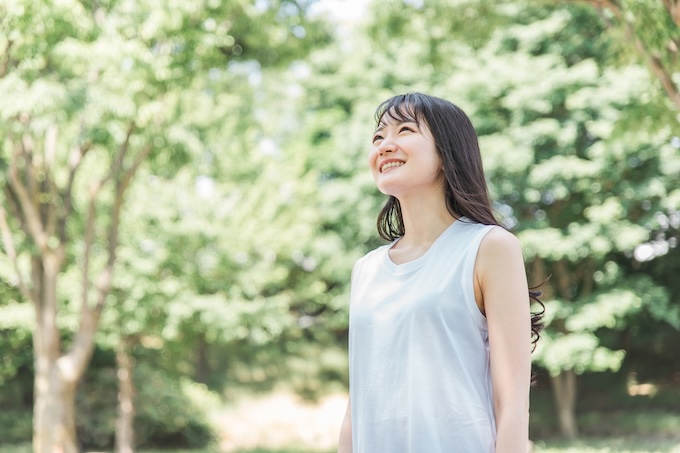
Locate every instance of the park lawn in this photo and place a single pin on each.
(584, 446)
(610, 445)
(620, 445)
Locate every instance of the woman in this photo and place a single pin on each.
(440, 328)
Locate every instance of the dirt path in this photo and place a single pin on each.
(281, 420)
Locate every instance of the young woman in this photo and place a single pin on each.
(440, 330)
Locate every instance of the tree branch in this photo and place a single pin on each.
(609, 4)
(31, 214)
(657, 67)
(139, 159)
(5, 64)
(50, 147)
(13, 203)
(122, 184)
(89, 320)
(563, 280)
(539, 274)
(75, 159)
(117, 165)
(653, 61)
(12, 254)
(584, 275)
(31, 177)
(673, 8)
(49, 206)
(114, 171)
(85, 270)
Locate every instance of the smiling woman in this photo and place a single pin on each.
(440, 327)
(396, 142)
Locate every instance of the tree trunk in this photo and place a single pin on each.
(564, 392)
(125, 435)
(202, 365)
(56, 376)
(54, 426)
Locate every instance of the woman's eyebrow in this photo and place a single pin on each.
(397, 122)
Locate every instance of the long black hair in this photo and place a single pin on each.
(465, 188)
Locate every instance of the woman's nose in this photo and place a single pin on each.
(386, 146)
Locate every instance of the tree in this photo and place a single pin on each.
(651, 29)
(93, 90)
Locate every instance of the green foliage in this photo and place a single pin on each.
(170, 417)
(16, 365)
(578, 177)
(240, 232)
(15, 342)
(15, 426)
(170, 411)
(109, 83)
(579, 351)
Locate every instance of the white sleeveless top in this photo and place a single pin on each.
(419, 352)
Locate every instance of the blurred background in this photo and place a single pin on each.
(185, 190)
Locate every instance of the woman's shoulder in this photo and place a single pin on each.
(376, 253)
(500, 237)
(370, 259)
(499, 248)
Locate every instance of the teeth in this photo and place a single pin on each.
(391, 164)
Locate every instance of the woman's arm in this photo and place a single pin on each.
(500, 282)
(345, 443)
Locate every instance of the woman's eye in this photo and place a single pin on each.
(376, 138)
(406, 128)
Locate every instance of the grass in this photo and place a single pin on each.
(639, 431)
(620, 445)
(26, 448)
(610, 445)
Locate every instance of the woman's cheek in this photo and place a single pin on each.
(372, 160)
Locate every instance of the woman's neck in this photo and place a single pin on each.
(425, 219)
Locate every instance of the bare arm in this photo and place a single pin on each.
(345, 443)
(501, 287)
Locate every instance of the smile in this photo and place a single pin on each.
(390, 165)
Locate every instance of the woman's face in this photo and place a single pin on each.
(403, 158)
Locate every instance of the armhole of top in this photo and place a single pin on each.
(352, 288)
(353, 277)
(471, 260)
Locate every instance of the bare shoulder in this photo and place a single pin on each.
(499, 248)
(500, 240)
(500, 278)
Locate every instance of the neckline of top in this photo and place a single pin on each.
(416, 263)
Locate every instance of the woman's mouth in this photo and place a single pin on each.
(391, 164)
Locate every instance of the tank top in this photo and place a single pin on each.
(419, 352)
